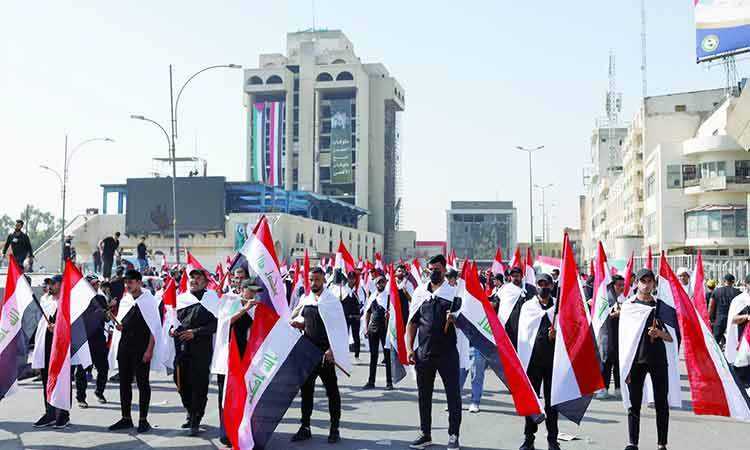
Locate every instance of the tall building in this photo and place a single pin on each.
(320, 120)
(475, 229)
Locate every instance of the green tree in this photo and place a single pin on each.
(6, 226)
(39, 225)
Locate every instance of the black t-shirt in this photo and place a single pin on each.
(723, 297)
(544, 349)
(135, 333)
(430, 320)
(652, 354)
(141, 250)
(241, 329)
(351, 306)
(109, 245)
(315, 329)
(377, 318)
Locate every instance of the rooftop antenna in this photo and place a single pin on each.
(613, 108)
(313, 18)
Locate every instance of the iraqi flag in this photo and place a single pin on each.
(396, 337)
(344, 260)
(714, 386)
(183, 282)
(169, 322)
(516, 261)
(628, 275)
(477, 320)
(529, 277)
(698, 289)
(650, 260)
(194, 264)
(262, 383)
(19, 314)
(77, 318)
(261, 258)
(149, 310)
(600, 306)
(497, 263)
(379, 261)
(742, 358)
(576, 374)
(415, 272)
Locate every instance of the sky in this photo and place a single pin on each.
(480, 77)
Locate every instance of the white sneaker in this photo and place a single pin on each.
(473, 408)
(602, 395)
(618, 394)
(453, 442)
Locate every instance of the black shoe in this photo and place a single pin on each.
(195, 426)
(421, 442)
(82, 404)
(62, 422)
(186, 425)
(368, 386)
(45, 421)
(631, 447)
(389, 387)
(115, 378)
(122, 424)
(334, 436)
(144, 426)
(225, 441)
(100, 398)
(554, 446)
(528, 444)
(302, 434)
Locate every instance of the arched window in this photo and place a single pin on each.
(255, 80)
(344, 76)
(274, 79)
(324, 76)
(338, 61)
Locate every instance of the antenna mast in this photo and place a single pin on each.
(613, 108)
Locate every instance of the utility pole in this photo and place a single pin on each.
(531, 193)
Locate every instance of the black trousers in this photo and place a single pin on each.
(98, 350)
(660, 382)
(107, 266)
(376, 340)
(537, 376)
(50, 410)
(447, 366)
(327, 374)
(220, 381)
(353, 326)
(610, 366)
(194, 375)
(131, 366)
(720, 326)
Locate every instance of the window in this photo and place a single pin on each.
(716, 224)
(689, 172)
(651, 225)
(742, 169)
(680, 108)
(274, 79)
(255, 80)
(344, 76)
(740, 252)
(673, 176)
(650, 185)
(713, 169)
(324, 76)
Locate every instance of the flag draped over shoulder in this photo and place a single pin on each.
(396, 338)
(576, 374)
(628, 275)
(600, 306)
(478, 321)
(529, 277)
(344, 260)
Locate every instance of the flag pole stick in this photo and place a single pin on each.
(39, 305)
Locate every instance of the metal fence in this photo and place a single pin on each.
(714, 268)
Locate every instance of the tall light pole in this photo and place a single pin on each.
(545, 236)
(66, 166)
(531, 193)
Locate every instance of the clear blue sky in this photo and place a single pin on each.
(480, 77)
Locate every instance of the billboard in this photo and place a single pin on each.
(267, 143)
(200, 205)
(722, 28)
(341, 141)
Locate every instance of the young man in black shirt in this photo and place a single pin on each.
(109, 246)
(98, 348)
(139, 326)
(352, 303)
(142, 254)
(610, 351)
(376, 326)
(434, 305)
(19, 244)
(718, 306)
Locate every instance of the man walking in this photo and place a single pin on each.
(718, 307)
(376, 324)
(20, 246)
(109, 246)
(98, 348)
(142, 254)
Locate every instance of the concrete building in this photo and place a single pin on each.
(476, 228)
(320, 120)
(428, 249)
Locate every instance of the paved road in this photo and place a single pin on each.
(371, 420)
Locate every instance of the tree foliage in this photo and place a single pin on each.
(39, 225)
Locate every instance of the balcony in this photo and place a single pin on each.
(703, 144)
(717, 183)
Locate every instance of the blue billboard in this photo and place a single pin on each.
(722, 28)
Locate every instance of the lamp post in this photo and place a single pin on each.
(545, 236)
(64, 181)
(531, 193)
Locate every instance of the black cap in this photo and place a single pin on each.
(729, 278)
(643, 273)
(57, 279)
(133, 274)
(453, 273)
(499, 276)
(544, 276)
(92, 277)
(47, 280)
(515, 269)
(252, 284)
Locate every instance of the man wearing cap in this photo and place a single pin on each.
(98, 348)
(511, 298)
(58, 418)
(536, 349)
(376, 320)
(197, 310)
(647, 347)
(235, 314)
(718, 306)
(137, 332)
(432, 320)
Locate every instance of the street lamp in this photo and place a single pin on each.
(64, 182)
(545, 236)
(531, 193)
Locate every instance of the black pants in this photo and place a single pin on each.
(611, 365)
(220, 381)
(353, 326)
(327, 374)
(132, 365)
(107, 266)
(98, 350)
(660, 382)
(537, 376)
(376, 340)
(720, 326)
(50, 410)
(448, 367)
(194, 375)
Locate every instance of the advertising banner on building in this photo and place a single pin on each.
(722, 28)
(266, 153)
(341, 142)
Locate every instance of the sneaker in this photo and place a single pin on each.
(61, 422)
(421, 442)
(195, 426)
(453, 442)
(144, 426)
(44, 421)
(225, 441)
(122, 424)
(368, 386)
(389, 387)
(82, 404)
(100, 398)
(473, 408)
(554, 446)
(618, 394)
(631, 447)
(602, 395)
(186, 425)
(334, 436)
(528, 443)
(302, 434)
(115, 378)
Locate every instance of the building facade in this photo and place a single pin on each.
(477, 228)
(320, 120)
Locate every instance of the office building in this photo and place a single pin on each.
(476, 228)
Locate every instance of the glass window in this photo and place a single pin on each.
(727, 224)
(721, 168)
(689, 172)
(740, 222)
(742, 169)
(691, 225)
(673, 176)
(740, 252)
(702, 225)
(714, 224)
(650, 185)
